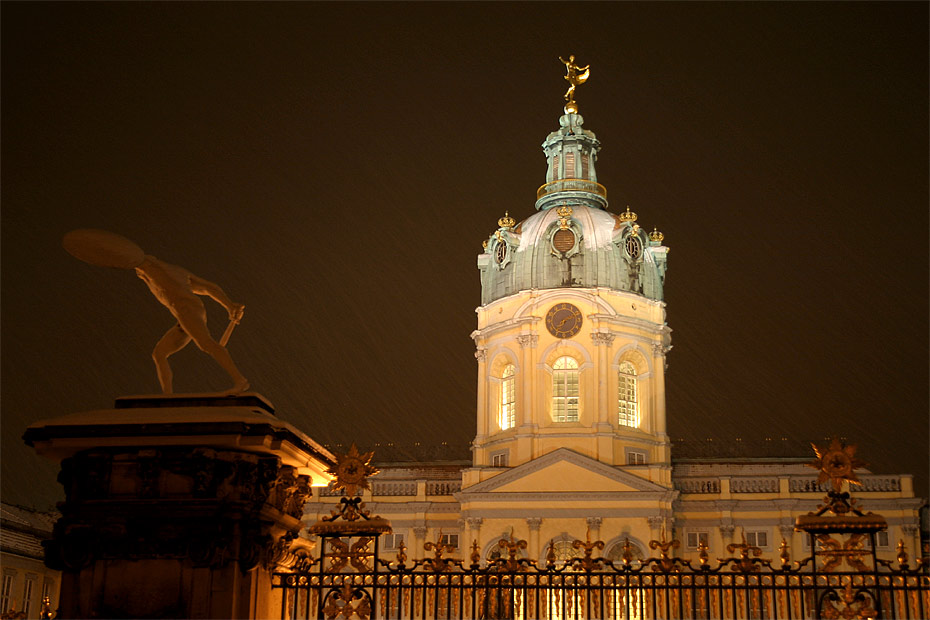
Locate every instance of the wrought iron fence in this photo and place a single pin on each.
(349, 580)
(582, 588)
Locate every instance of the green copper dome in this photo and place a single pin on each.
(572, 240)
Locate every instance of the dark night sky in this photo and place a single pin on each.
(336, 167)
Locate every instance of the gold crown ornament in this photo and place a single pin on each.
(655, 235)
(627, 216)
(506, 221)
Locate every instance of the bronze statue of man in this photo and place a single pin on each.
(176, 288)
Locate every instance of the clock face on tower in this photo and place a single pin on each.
(564, 320)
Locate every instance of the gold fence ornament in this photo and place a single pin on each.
(340, 603)
(550, 554)
(784, 554)
(437, 562)
(356, 554)
(513, 547)
(703, 557)
(850, 605)
(475, 553)
(352, 471)
(664, 563)
(834, 552)
(902, 555)
(627, 555)
(743, 563)
(587, 562)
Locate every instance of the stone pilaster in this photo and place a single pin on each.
(534, 523)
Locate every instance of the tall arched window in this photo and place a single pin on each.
(507, 415)
(626, 395)
(565, 390)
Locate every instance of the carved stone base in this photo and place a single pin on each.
(176, 512)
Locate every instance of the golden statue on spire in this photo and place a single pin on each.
(574, 75)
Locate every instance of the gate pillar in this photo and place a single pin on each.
(176, 506)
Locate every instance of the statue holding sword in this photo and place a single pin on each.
(177, 289)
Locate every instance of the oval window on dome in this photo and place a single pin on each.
(563, 240)
(634, 247)
(501, 252)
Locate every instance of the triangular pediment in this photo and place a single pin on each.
(565, 471)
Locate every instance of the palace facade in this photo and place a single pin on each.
(571, 439)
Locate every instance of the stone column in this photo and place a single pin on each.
(178, 506)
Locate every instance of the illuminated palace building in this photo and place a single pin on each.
(571, 434)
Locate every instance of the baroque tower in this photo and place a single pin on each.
(571, 337)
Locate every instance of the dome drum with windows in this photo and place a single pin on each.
(571, 331)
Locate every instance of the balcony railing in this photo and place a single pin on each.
(871, 483)
(571, 185)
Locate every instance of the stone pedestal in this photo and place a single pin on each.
(177, 507)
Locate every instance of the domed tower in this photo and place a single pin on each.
(571, 337)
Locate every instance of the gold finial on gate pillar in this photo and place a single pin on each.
(352, 471)
(837, 463)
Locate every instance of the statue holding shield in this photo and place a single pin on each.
(177, 289)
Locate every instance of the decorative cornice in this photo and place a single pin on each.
(528, 340)
(602, 338)
(481, 354)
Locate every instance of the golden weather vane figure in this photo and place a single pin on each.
(574, 75)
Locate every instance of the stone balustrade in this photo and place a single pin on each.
(796, 484)
(443, 487)
(698, 485)
(754, 485)
(394, 487)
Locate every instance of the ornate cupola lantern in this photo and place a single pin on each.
(571, 152)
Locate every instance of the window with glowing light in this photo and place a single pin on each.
(565, 390)
(507, 415)
(626, 396)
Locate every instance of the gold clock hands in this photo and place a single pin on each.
(563, 322)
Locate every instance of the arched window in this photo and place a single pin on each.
(507, 415)
(626, 395)
(565, 390)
